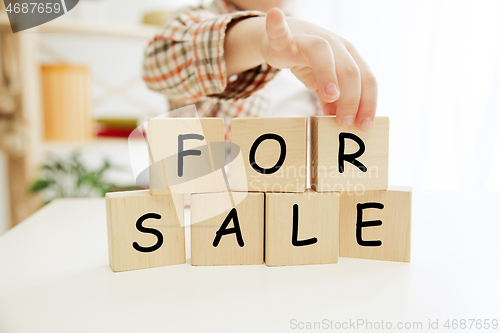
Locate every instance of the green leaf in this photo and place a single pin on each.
(47, 167)
(69, 176)
(40, 185)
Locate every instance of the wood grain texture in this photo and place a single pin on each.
(163, 142)
(291, 177)
(318, 217)
(211, 210)
(123, 209)
(394, 233)
(325, 172)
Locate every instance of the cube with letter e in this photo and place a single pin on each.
(376, 224)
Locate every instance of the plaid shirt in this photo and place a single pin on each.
(185, 61)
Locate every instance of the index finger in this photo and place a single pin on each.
(319, 53)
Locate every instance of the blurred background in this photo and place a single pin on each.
(72, 91)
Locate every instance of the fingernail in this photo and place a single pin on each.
(331, 89)
(366, 124)
(347, 120)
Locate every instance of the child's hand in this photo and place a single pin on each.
(326, 63)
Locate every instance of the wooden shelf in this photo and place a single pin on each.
(62, 25)
(19, 55)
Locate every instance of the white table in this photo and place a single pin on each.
(54, 277)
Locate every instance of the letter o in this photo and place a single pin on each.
(253, 150)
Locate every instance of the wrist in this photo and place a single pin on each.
(259, 37)
(243, 44)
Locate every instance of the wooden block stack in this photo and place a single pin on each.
(268, 215)
(375, 220)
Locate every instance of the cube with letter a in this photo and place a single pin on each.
(227, 228)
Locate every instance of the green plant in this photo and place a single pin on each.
(70, 178)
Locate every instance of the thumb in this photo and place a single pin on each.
(277, 30)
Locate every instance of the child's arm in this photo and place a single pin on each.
(325, 62)
(185, 60)
(195, 53)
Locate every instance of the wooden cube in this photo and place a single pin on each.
(181, 156)
(274, 154)
(144, 231)
(376, 224)
(348, 159)
(227, 230)
(302, 228)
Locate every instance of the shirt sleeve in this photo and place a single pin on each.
(185, 59)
